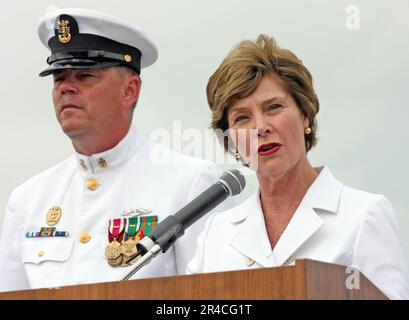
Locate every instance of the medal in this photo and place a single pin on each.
(115, 229)
(115, 262)
(123, 236)
(129, 247)
(113, 250)
(132, 226)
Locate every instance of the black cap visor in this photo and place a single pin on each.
(77, 64)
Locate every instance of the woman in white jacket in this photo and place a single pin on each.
(263, 95)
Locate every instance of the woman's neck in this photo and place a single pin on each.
(285, 192)
(280, 197)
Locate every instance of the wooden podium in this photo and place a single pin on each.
(307, 279)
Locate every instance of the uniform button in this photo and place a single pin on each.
(92, 184)
(84, 237)
(41, 253)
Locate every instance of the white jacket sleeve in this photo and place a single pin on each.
(379, 253)
(185, 247)
(12, 274)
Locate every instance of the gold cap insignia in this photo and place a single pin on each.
(127, 58)
(53, 215)
(64, 35)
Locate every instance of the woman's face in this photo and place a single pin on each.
(267, 128)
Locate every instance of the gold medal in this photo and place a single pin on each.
(129, 247)
(113, 250)
(115, 262)
(53, 216)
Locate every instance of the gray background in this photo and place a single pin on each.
(361, 77)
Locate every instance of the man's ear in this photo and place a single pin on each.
(132, 87)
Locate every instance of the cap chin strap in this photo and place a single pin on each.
(90, 54)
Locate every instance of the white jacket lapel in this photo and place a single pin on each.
(302, 226)
(251, 238)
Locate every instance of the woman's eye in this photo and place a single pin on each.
(274, 106)
(239, 118)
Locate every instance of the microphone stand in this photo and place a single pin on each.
(144, 260)
(149, 249)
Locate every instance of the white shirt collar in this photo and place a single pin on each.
(324, 194)
(109, 159)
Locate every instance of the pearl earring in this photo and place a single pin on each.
(237, 154)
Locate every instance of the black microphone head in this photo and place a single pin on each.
(234, 180)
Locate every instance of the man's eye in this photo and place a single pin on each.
(85, 75)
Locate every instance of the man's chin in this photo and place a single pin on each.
(72, 130)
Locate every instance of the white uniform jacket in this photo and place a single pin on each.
(334, 224)
(134, 174)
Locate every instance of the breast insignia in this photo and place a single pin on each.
(53, 215)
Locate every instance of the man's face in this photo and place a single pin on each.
(88, 101)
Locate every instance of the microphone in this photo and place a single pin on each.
(165, 234)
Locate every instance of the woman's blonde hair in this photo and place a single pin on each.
(241, 72)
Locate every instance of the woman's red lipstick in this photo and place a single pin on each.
(268, 148)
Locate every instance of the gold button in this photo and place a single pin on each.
(92, 184)
(127, 58)
(41, 253)
(84, 237)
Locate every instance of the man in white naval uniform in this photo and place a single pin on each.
(60, 224)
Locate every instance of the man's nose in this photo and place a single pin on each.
(67, 85)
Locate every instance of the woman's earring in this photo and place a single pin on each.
(307, 130)
(237, 155)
